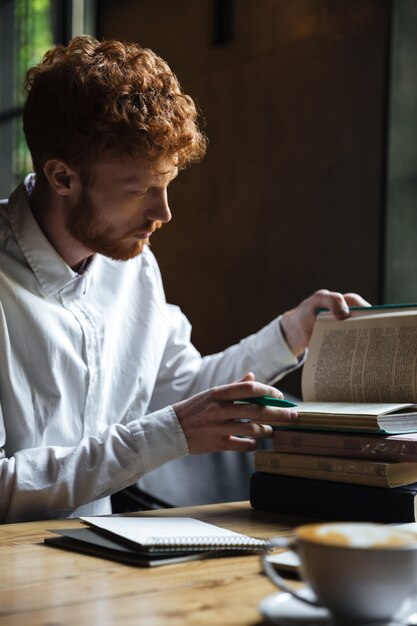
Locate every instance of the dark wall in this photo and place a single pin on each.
(289, 198)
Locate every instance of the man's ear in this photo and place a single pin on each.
(63, 179)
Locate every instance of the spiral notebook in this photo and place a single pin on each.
(150, 541)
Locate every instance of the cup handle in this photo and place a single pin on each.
(277, 579)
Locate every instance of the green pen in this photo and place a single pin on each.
(268, 401)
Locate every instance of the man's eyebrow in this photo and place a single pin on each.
(136, 179)
(130, 179)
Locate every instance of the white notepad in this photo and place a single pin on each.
(174, 533)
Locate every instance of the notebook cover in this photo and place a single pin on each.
(88, 541)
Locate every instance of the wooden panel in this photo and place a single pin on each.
(289, 197)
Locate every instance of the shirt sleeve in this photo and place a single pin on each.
(53, 481)
(185, 372)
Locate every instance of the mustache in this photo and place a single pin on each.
(151, 227)
(156, 225)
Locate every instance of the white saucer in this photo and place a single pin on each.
(282, 609)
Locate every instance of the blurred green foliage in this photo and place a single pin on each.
(32, 37)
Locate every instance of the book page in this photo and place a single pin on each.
(365, 358)
(349, 408)
(145, 530)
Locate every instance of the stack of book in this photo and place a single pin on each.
(352, 455)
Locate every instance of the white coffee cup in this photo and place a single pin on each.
(361, 572)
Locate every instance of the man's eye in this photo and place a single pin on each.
(137, 192)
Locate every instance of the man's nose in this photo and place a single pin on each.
(159, 208)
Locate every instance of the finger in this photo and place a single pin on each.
(334, 301)
(245, 389)
(339, 303)
(354, 299)
(248, 376)
(252, 430)
(249, 433)
(325, 299)
(266, 415)
(249, 413)
(240, 444)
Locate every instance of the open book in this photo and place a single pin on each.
(361, 373)
(151, 541)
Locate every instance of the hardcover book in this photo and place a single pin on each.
(357, 471)
(367, 446)
(322, 499)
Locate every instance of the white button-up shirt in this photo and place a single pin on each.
(89, 368)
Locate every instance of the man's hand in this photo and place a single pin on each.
(212, 422)
(297, 324)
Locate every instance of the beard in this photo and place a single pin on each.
(83, 223)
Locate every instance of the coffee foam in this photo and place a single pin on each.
(356, 535)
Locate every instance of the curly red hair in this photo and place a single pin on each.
(91, 96)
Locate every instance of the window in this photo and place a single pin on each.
(27, 33)
(27, 29)
(401, 220)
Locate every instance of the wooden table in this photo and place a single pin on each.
(41, 585)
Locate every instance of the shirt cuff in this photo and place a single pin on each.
(160, 438)
(275, 354)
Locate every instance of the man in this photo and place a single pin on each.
(99, 381)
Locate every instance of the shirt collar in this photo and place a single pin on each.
(48, 266)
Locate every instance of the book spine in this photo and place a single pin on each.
(340, 469)
(372, 447)
(332, 501)
(340, 477)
